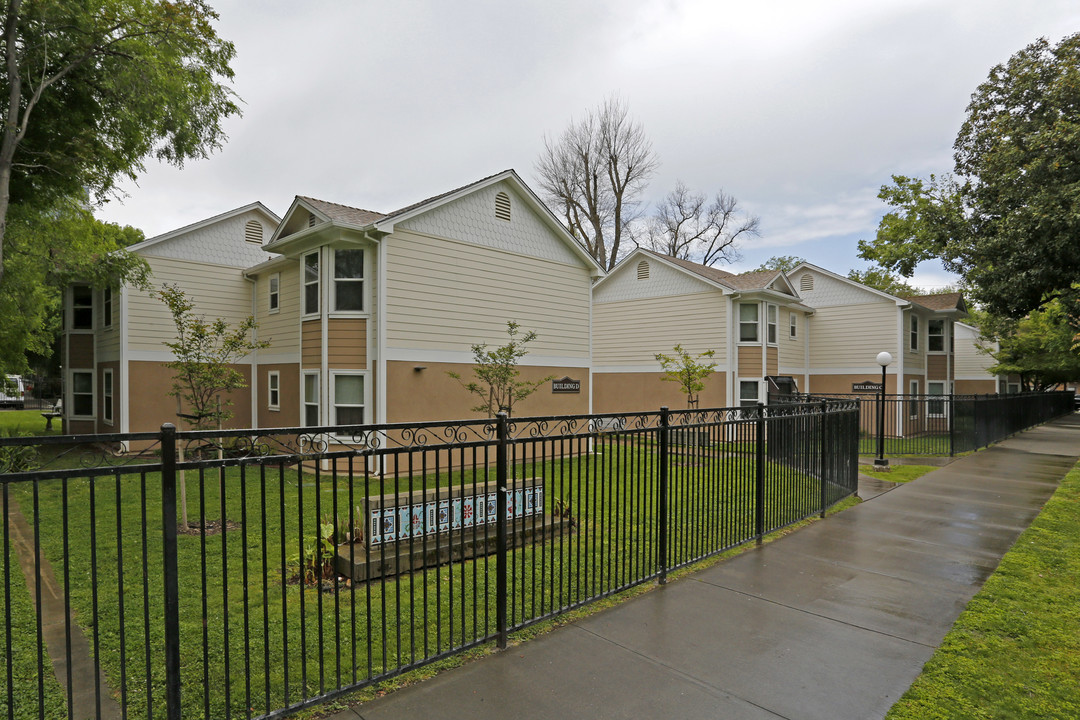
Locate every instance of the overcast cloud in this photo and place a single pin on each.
(800, 109)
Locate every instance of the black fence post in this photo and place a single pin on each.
(170, 571)
(824, 455)
(952, 424)
(662, 530)
(759, 475)
(502, 434)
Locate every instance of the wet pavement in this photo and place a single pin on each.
(833, 621)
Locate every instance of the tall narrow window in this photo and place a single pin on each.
(771, 320)
(106, 307)
(913, 402)
(82, 307)
(349, 280)
(311, 283)
(348, 399)
(748, 322)
(311, 399)
(275, 292)
(793, 325)
(273, 390)
(107, 395)
(914, 332)
(82, 393)
(935, 336)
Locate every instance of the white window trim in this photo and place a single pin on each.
(944, 345)
(740, 323)
(332, 310)
(70, 401)
(772, 325)
(332, 391)
(273, 385)
(913, 333)
(303, 399)
(304, 285)
(69, 320)
(108, 396)
(273, 309)
(929, 395)
(793, 326)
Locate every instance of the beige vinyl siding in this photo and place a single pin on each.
(347, 343)
(631, 332)
(847, 336)
(750, 361)
(970, 362)
(447, 295)
(216, 290)
(280, 328)
(771, 361)
(311, 343)
(792, 349)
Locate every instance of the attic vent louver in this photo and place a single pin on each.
(311, 220)
(253, 232)
(643, 270)
(806, 282)
(502, 206)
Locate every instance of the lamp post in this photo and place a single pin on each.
(883, 359)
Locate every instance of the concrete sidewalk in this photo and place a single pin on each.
(833, 621)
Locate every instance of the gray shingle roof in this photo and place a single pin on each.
(755, 280)
(940, 301)
(343, 213)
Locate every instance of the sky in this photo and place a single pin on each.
(800, 109)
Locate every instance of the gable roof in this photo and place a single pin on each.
(940, 302)
(828, 273)
(753, 280)
(157, 239)
(342, 213)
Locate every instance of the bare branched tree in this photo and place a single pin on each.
(593, 175)
(686, 225)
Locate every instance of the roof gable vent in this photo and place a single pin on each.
(502, 206)
(643, 270)
(806, 282)
(311, 220)
(253, 232)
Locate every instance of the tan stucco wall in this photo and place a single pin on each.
(151, 405)
(647, 392)
(289, 396)
(976, 387)
(430, 394)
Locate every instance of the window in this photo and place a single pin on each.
(748, 322)
(771, 315)
(311, 283)
(935, 408)
(311, 399)
(348, 399)
(502, 206)
(106, 307)
(82, 393)
(914, 333)
(107, 395)
(275, 292)
(913, 402)
(1012, 388)
(349, 280)
(273, 390)
(793, 325)
(935, 337)
(253, 232)
(82, 307)
(643, 270)
(748, 393)
(806, 282)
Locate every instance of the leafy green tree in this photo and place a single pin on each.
(1038, 348)
(92, 89)
(1008, 220)
(884, 281)
(783, 263)
(688, 370)
(497, 384)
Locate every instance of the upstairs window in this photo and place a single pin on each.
(106, 307)
(107, 395)
(349, 280)
(771, 321)
(502, 206)
(311, 283)
(935, 336)
(82, 307)
(274, 292)
(793, 325)
(914, 333)
(748, 322)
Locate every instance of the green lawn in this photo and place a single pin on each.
(278, 631)
(1015, 651)
(898, 473)
(30, 422)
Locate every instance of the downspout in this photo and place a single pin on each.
(900, 336)
(123, 381)
(731, 352)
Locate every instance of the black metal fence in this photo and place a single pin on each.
(945, 424)
(314, 561)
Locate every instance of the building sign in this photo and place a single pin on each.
(419, 519)
(565, 385)
(866, 387)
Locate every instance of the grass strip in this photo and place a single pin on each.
(1015, 650)
(898, 473)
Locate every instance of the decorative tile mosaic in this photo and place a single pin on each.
(406, 521)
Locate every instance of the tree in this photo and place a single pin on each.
(91, 90)
(593, 175)
(688, 370)
(1008, 221)
(497, 384)
(1038, 348)
(686, 225)
(884, 281)
(782, 263)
